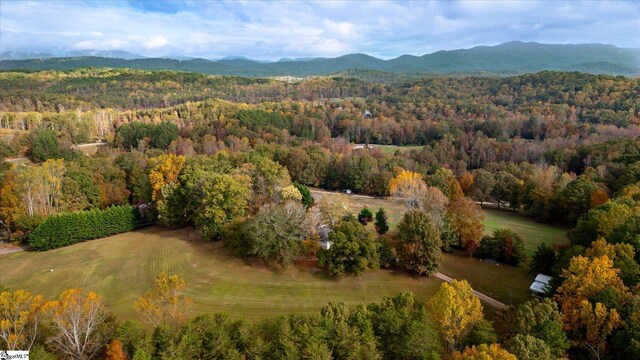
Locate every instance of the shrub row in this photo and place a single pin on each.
(69, 228)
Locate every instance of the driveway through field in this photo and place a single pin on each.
(489, 300)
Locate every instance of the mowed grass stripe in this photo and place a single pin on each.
(122, 267)
(533, 233)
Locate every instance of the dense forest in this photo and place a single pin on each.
(234, 157)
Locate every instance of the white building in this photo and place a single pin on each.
(540, 285)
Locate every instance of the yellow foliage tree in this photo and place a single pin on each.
(290, 193)
(584, 278)
(455, 309)
(483, 352)
(164, 170)
(78, 323)
(409, 187)
(165, 303)
(629, 191)
(20, 315)
(614, 252)
(598, 323)
(9, 201)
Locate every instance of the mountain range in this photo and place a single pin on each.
(505, 59)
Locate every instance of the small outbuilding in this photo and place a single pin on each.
(540, 285)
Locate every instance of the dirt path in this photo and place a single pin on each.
(489, 300)
(10, 249)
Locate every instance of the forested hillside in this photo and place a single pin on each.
(505, 59)
(232, 158)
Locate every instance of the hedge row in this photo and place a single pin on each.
(69, 228)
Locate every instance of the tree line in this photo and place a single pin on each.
(451, 324)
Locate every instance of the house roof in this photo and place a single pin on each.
(538, 287)
(540, 284)
(545, 279)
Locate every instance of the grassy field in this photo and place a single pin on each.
(532, 232)
(507, 284)
(391, 149)
(122, 267)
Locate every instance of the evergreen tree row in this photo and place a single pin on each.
(69, 228)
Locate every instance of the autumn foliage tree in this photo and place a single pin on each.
(585, 278)
(409, 188)
(483, 352)
(455, 309)
(465, 180)
(79, 324)
(164, 170)
(20, 316)
(598, 197)
(597, 323)
(114, 351)
(467, 221)
(165, 303)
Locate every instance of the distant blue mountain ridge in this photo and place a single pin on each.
(510, 58)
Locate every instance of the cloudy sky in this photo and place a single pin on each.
(272, 30)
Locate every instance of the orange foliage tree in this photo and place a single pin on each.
(465, 180)
(598, 197)
(114, 351)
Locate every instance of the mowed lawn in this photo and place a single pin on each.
(391, 149)
(507, 284)
(533, 233)
(122, 267)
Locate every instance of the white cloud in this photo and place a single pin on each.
(156, 42)
(271, 30)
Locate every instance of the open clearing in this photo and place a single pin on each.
(391, 149)
(123, 266)
(504, 283)
(532, 232)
